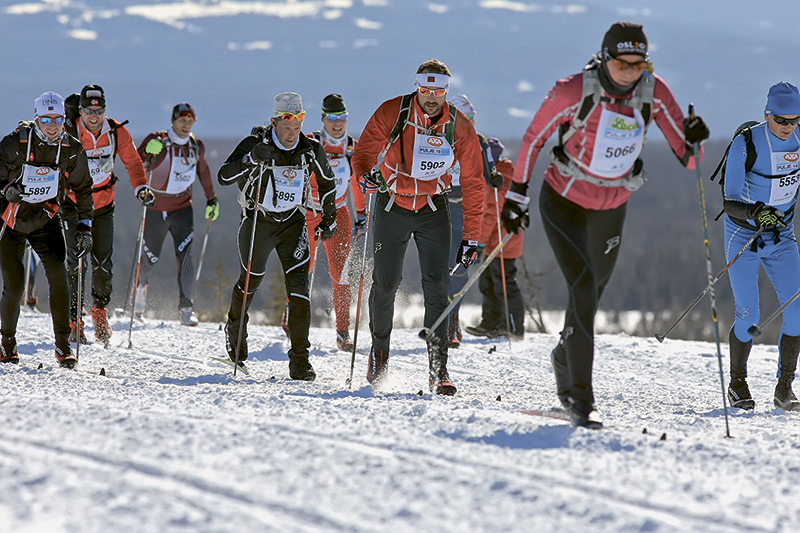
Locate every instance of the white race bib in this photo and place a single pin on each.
(101, 163)
(39, 183)
(341, 174)
(433, 155)
(618, 143)
(182, 173)
(288, 192)
(455, 173)
(782, 190)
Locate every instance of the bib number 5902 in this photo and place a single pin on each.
(619, 151)
(431, 165)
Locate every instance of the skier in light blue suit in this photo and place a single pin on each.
(765, 196)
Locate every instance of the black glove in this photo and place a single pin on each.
(495, 179)
(767, 217)
(695, 129)
(325, 229)
(359, 226)
(467, 253)
(373, 181)
(13, 193)
(83, 238)
(515, 209)
(146, 196)
(261, 153)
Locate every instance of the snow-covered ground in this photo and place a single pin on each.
(170, 441)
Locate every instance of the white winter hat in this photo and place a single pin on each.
(288, 103)
(463, 104)
(49, 103)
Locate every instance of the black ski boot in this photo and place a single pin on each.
(784, 397)
(300, 368)
(584, 414)
(8, 350)
(481, 330)
(738, 391)
(231, 338)
(438, 380)
(558, 358)
(378, 365)
(343, 341)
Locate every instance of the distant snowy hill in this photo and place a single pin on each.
(229, 57)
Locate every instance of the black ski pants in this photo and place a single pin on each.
(48, 243)
(180, 224)
(102, 248)
(289, 239)
(393, 230)
(586, 244)
(493, 312)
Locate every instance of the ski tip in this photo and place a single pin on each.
(492, 349)
(498, 398)
(663, 436)
(644, 431)
(420, 393)
(41, 366)
(102, 371)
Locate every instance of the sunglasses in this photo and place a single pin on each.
(93, 111)
(50, 120)
(783, 121)
(621, 64)
(338, 116)
(424, 91)
(299, 117)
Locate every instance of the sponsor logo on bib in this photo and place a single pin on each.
(435, 141)
(791, 156)
(289, 174)
(42, 171)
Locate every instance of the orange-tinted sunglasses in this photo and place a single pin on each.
(299, 117)
(639, 66)
(424, 91)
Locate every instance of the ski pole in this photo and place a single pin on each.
(755, 330)
(659, 336)
(712, 296)
(27, 259)
(136, 276)
(79, 320)
(202, 256)
(247, 275)
(503, 270)
(427, 333)
(360, 290)
(313, 266)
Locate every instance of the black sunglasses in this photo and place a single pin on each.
(783, 121)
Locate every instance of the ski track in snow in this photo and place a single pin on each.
(169, 440)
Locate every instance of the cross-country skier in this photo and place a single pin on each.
(763, 193)
(601, 115)
(39, 161)
(272, 167)
(176, 158)
(411, 178)
(104, 139)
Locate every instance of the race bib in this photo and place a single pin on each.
(288, 192)
(433, 155)
(101, 163)
(182, 173)
(783, 189)
(39, 183)
(618, 143)
(341, 174)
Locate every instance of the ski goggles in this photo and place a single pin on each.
(93, 111)
(783, 121)
(424, 91)
(622, 65)
(333, 117)
(299, 117)
(51, 120)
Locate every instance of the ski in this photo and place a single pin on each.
(561, 414)
(227, 361)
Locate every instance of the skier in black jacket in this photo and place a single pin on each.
(39, 162)
(272, 167)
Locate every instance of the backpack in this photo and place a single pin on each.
(746, 130)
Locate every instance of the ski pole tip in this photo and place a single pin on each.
(660, 337)
(754, 331)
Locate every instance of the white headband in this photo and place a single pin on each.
(430, 79)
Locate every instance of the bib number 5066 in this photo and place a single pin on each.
(619, 151)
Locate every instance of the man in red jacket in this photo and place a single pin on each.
(104, 139)
(406, 152)
(602, 115)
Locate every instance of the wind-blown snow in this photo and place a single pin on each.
(169, 441)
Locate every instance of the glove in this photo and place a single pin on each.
(515, 208)
(359, 226)
(495, 179)
(146, 196)
(154, 146)
(261, 153)
(13, 193)
(768, 217)
(373, 181)
(325, 229)
(83, 238)
(467, 253)
(695, 129)
(212, 208)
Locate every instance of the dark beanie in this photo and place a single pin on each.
(93, 95)
(333, 103)
(496, 147)
(625, 38)
(183, 109)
